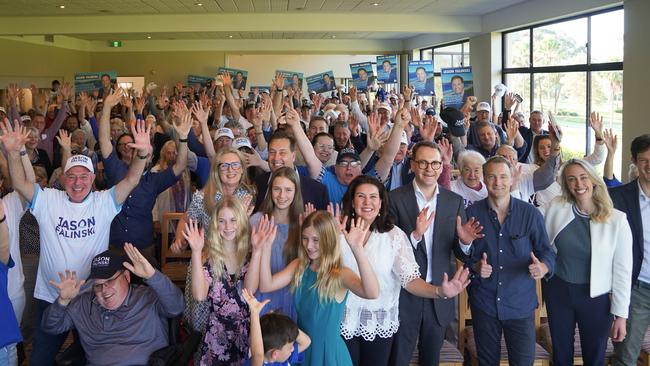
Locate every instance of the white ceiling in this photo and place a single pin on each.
(244, 35)
(122, 7)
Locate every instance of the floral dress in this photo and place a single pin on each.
(226, 337)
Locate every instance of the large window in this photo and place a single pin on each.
(448, 55)
(570, 67)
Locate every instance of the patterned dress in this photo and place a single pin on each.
(226, 337)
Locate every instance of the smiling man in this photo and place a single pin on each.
(118, 323)
(74, 224)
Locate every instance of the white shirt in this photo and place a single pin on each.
(470, 195)
(526, 187)
(71, 234)
(644, 205)
(428, 235)
(394, 265)
(14, 210)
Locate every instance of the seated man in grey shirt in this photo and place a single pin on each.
(118, 323)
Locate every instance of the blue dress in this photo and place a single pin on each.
(282, 299)
(321, 322)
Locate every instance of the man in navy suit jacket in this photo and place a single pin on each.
(282, 152)
(634, 199)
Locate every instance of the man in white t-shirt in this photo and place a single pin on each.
(74, 224)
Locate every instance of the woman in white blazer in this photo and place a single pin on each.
(592, 280)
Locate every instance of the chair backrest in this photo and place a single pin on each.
(168, 226)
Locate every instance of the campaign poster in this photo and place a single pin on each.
(421, 77)
(387, 69)
(193, 80)
(89, 81)
(292, 79)
(239, 77)
(362, 75)
(321, 83)
(457, 85)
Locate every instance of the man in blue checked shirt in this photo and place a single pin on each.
(511, 255)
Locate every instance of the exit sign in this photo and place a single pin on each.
(115, 44)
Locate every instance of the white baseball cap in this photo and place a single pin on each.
(483, 106)
(404, 139)
(242, 142)
(227, 132)
(79, 160)
(385, 106)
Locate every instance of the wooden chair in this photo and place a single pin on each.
(467, 345)
(173, 265)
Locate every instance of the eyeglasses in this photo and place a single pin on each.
(82, 177)
(423, 164)
(325, 147)
(108, 283)
(351, 164)
(234, 166)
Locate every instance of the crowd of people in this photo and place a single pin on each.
(321, 231)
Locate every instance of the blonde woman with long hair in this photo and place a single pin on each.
(320, 283)
(593, 268)
(219, 264)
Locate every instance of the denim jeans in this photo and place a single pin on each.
(45, 346)
(638, 319)
(8, 355)
(519, 335)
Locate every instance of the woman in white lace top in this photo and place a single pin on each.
(368, 326)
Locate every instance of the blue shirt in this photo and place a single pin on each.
(296, 357)
(134, 224)
(9, 331)
(510, 292)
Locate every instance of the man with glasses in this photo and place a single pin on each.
(118, 323)
(73, 224)
(427, 213)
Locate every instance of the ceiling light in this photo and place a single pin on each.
(333, 36)
(229, 36)
(148, 37)
(375, 4)
(198, 4)
(61, 6)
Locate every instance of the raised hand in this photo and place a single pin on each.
(356, 236)
(264, 233)
(407, 92)
(278, 81)
(194, 236)
(610, 140)
(484, 269)
(292, 117)
(447, 150)
(113, 98)
(13, 140)
(200, 113)
(68, 286)
(469, 231)
(247, 202)
(309, 209)
(416, 119)
(66, 90)
(403, 116)
(596, 122)
(353, 93)
(512, 129)
(376, 140)
(335, 210)
(253, 304)
(184, 126)
(139, 265)
(509, 101)
(141, 134)
(64, 140)
(451, 288)
(428, 128)
(139, 104)
(227, 79)
(537, 268)
(127, 101)
(422, 222)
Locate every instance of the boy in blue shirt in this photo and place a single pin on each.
(275, 339)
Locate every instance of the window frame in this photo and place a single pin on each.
(462, 54)
(587, 67)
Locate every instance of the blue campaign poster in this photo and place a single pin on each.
(321, 83)
(239, 77)
(457, 85)
(362, 75)
(387, 69)
(421, 77)
(89, 81)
